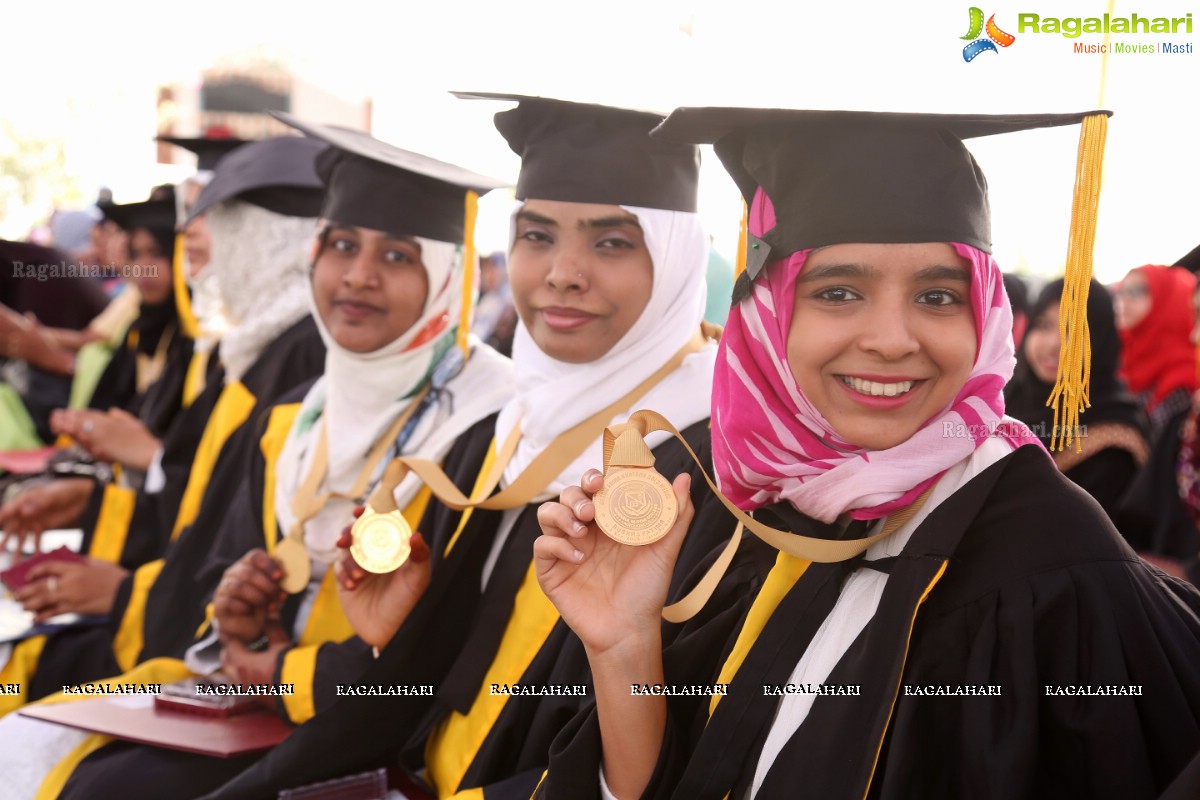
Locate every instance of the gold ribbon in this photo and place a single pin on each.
(544, 468)
(808, 548)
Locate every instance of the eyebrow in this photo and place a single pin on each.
(614, 221)
(937, 272)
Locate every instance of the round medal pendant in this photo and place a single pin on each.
(297, 568)
(637, 506)
(380, 541)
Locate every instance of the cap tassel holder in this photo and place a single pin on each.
(743, 241)
(469, 267)
(1071, 391)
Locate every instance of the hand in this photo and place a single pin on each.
(608, 592)
(57, 504)
(248, 597)
(377, 605)
(64, 587)
(243, 666)
(116, 436)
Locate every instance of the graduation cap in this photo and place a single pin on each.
(278, 174)
(851, 176)
(209, 149)
(1191, 261)
(156, 216)
(583, 153)
(376, 185)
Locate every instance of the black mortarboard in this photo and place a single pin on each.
(156, 216)
(372, 184)
(584, 153)
(208, 149)
(278, 174)
(1191, 261)
(854, 176)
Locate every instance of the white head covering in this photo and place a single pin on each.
(554, 396)
(260, 261)
(361, 395)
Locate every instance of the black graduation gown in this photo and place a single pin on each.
(1018, 581)
(451, 642)
(80, 655)
(1151, 515)
(172, 773)
(117, 387)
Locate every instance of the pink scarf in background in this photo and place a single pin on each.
(771, 444)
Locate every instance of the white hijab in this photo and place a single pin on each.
(554, 396)
(260, 262)
(361, 395)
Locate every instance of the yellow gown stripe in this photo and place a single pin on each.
(127, 644)
(196, 377)
(21, 667)
(232, 409)
(484, 472)
(779, 582)
(299, 669)
(279, 425)
(456, 741)
(112, 524)
(57, 778)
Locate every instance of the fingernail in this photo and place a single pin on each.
(580, 528)
(578, 555)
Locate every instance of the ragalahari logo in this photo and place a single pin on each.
(995, 36)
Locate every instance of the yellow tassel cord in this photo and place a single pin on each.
(469, 267)
(739, 265)
(183, 301)
(1071, 391)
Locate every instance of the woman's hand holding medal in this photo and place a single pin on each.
(609, 593)
(378, 603)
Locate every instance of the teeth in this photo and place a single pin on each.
(877, 389)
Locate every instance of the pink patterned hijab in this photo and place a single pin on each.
(771, 444)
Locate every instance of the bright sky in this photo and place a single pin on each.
(92, 82)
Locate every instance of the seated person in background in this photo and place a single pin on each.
(1158, 362)
(402, 378)
(1113, 439)
(262, 208)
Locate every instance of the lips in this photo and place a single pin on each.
(354, 309)
(878, 387)
(563, 318)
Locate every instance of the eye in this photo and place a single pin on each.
(837, 294)
(534, 235)
(939, 297)
(615, 243)
(343, 245)
(397, 256)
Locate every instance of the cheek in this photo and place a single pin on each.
(407, 294)
(525, 275)
(324, 283)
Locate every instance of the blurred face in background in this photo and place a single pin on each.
(1132, 300)
(196, 240)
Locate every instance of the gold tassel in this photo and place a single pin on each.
(739, 265)
(1071, 390)
(469, 266)
(183, 301)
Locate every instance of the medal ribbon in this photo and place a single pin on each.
(306, 503)
(808, 548)
(544, 468)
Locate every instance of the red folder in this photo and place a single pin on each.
(134, 718)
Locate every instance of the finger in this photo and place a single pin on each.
(359, 511)
(248, 574)
(253, 595)
(592, 481)
(550, 550)
(418, 549)
(229, 606)
(578, 501)
(556, 519)
(46, 569)
(265, 564)
(346, 539)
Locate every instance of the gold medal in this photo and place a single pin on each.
(381, 541)
(297, 569)
(637, 505)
